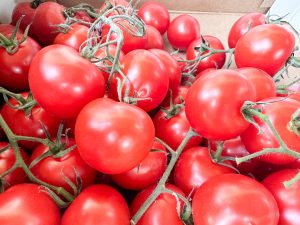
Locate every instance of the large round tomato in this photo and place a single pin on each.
(28, 204)
(97, 204)
(213, 104)
(63, 82)
(265, 47)
(231, 199)
(113, 137)
(279, 112)
(182, 31)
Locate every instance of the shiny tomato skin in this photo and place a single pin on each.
(243, 25)
(279, 112)
(231, 199)
(214, 101)
(54, 170)
(14, 67)
(213, 61)
(70, 80)
(113, 128)
(147, 173)
(265, 47)
(156, 15)
(154, 38)
(28, 204)
(182, 31)
(162, 211)
(26, 9)
(97, 204)
(194, 167)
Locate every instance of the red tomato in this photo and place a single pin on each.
(213, 61)
(263, 83)
(279, 112)
(70, 80)
(154, 38)
(265, 47)
(163, 211)
(46, 18)
(194, 167)
(147, 76)
(31, 125)
(14, 67)
(182, 31)
(205, 72)
(54, 170)
(97, 204)
(213, 104)
(28, 204)
(288, 199)
(74, 37)
(156, 15)
(231, 199)
(7, 160)
(243, 25)
(106, 135)
(147, 173)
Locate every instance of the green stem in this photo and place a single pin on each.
(288, 184)
(18, 97)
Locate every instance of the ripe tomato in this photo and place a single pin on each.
(7, 160)
(163, 211)
(288, 199)
(265, 47)
(156, 15)
(147, 173)
(70, 80)
(54, 170)
(154, 38)
(231, 199)
(263, 83)
(213, 104)
(106, 135)
(243, 25)
(147, 77)
(28, 204)
(182, 31)
(213, 61)
(194, 167)
(74, 37)
(279, 112)
(97, 204)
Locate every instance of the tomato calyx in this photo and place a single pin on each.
(35, 3)
(173, 109)
(294, 124)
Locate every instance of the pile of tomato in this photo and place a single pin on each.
(100, 124)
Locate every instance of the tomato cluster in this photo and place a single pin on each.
(100, 124)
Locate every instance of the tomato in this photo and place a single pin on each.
(213, 61)
(163, 211)
(265, 47)
(156, 15)
(70, 80)
(194, 167)
(74, 37)
(173, 130)
(14, 67)
(97, 204)
(263, 82)
(213, 104)
(147, 173)
(205, 72)
(106, 135)
(7, 160)
(243, 25)
(154, 38)
(147, 76)
(182, 31)
(288, 199)
(46, 18)
(28, 204)
(279, 112)
(31, 125)
(53, 170)
(231, 199)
